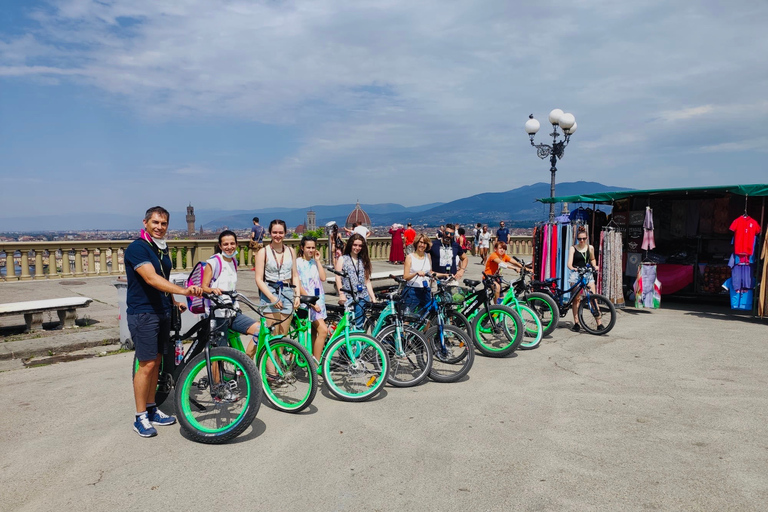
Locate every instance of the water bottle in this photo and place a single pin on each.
(179, 352)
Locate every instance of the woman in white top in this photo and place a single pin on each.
(416, 270)
(312, 276)
(485, 243)
(220, 274)
(277, 278)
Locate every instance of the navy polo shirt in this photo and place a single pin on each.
(143, 298)
(502, 234)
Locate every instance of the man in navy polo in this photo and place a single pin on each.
(447, 255)
(502, 234)
(149, 300)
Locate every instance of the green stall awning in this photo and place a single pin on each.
(671, 193)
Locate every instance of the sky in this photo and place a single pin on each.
(118, 105)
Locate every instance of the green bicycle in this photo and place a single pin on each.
(353, 364)
(292, 384)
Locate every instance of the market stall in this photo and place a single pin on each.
(697, 240)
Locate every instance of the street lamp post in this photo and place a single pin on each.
(568, 123)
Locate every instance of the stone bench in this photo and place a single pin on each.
(33, 310)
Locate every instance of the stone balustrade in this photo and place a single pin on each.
(87, 258)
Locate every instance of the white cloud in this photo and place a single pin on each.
(425, 91)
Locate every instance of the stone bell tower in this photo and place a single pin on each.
(190, 219)
(311, 221)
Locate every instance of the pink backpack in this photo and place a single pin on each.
(197, 305)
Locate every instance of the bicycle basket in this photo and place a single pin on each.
(453, 295)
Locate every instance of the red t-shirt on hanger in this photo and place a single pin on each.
(745, 229)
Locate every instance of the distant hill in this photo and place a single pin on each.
(518, 207)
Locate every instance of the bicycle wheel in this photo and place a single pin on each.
(597, 309)
(160, 394)
(454, 317)
(453, 357)
(412, 363)
(546, 308)
(498, 331)
(215, 414)
(296, 383)
(359, 380)
(532, 329)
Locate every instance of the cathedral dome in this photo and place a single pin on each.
(359, 217)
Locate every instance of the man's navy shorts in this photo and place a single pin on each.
(150, 333)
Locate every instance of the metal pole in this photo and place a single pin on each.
(552, 170)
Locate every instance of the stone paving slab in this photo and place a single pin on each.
(666, 412)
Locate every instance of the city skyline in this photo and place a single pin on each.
(114, 107)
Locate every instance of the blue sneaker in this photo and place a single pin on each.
(143, 427)
(158, 417)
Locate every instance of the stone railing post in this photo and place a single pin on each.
(39, 273)
(179, 258)
(25, 275)
(79, 263)
(91, 262)
(53, 270)
(66, 270)
(103, 269)
(10, 269)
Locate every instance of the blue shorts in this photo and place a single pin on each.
(150, 333)
(241, 323)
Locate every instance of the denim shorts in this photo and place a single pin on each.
(574, 278)
(150, 333)
(285, 294)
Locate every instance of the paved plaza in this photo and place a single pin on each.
(666, 412)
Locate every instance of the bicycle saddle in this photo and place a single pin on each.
(333, 308)
(471, 282)
(308, 299)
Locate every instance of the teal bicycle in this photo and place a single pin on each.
(410, 355)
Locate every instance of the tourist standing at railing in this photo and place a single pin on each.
(409, 235)
(485, 243)
(337, 243)
(150, 302)
(502, 234)
(277, 279)
(257, 240)
(357, 264)
(461, 239)
(476, 241)
(396, 254)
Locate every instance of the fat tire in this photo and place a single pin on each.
(546, 307)
(508, 341)
(455, 365)
(298, 366)
(533, 332)
(250, 403)
(414, 365)
(606, 307)
(338, 370)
